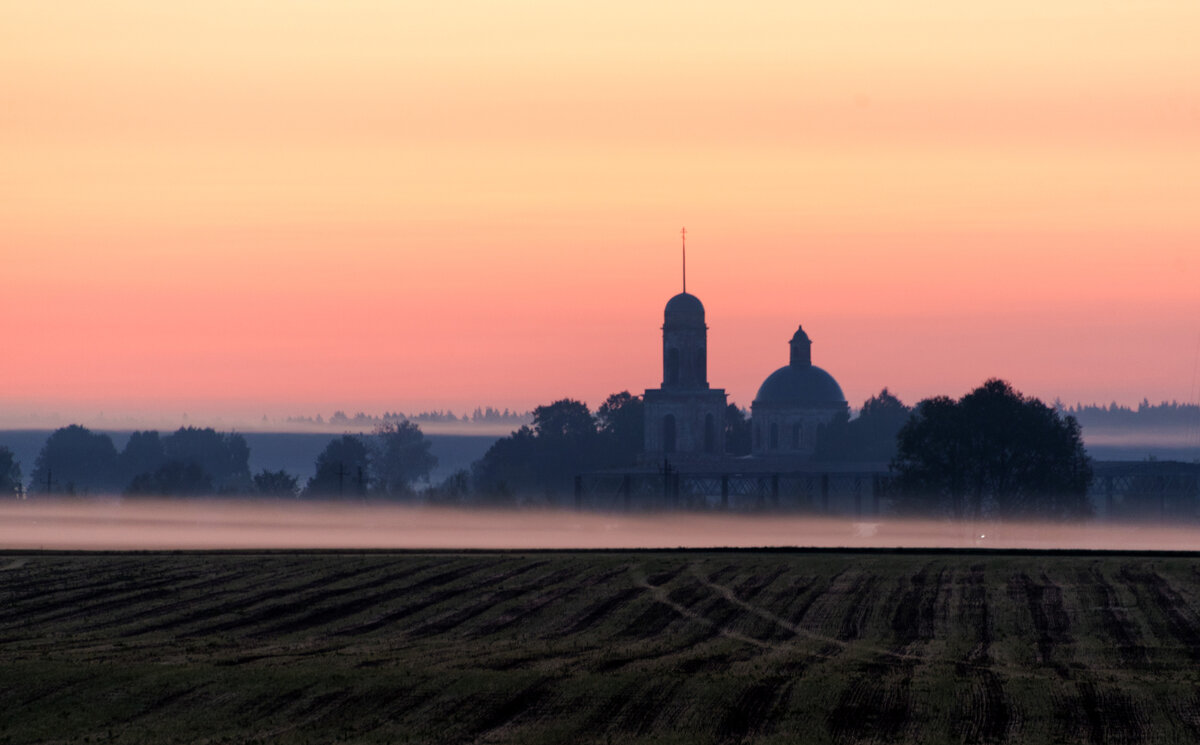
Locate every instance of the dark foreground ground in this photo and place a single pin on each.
(599, 647)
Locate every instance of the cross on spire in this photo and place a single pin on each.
(683, 240)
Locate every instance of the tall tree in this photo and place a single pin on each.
(342, 469)
(400, 455)
(76, 460)
(143, 453)
(10, 474)
(510, 464)
(225, 457)
(542, 460)
(738, 430)
(994, 452)
(621, 421)
(869, 437)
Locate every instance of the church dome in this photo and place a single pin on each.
(685, 303)
(684, 310)
(796, 385)
(800, 383)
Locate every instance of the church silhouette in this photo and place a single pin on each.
(685, 417)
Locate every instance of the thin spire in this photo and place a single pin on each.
(683, 240)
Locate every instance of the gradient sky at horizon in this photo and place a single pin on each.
(241, 208)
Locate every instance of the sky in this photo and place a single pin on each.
(239, 209)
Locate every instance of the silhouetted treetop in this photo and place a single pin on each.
(342, 469)
(76, 460)
(225, 457)
(994, 452)
(564, 419)
(400, 455)
(621, 423)
(869, 437)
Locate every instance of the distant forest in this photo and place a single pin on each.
(1145, 414)
(481, 415)
(1172, 414)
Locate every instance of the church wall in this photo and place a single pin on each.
(685, 358)
(690, 411)
(785, 420)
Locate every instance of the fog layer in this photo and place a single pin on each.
(214, 524)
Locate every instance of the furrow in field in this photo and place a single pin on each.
(57, 600)
(549, 597)
(756, 710)
(875, 704)
(98, 614)
(1122, 634)
(1051, 624)
(293, 605)
(344, 607)
(652, 621)
(1169, 615)
(489, 597)
(633, 709)
(225, 600)
(600, 610)
(419, 603)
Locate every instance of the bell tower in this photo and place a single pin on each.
(685, 344)
(684, 418)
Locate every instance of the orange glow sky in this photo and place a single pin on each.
(267, 207)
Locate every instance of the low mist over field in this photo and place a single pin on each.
(215, 524)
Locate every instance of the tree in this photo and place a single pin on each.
(621, 421)
(453, 490)
(399, 456)
(869, 437)
(276, 484)
(510, 463)
(342, 469)
(174, 478)
(737, 431)
(994, 452)
(542, 459)
(564, 420)
(10, 474)
(143, 453)
(75, 460)
(225, 457)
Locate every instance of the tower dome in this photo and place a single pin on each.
(684, 310)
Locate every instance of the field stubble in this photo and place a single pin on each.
(598, 647)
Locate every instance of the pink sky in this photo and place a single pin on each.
(274, 208)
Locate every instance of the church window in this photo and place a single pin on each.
(701, 364)
(758, 437)
(669, 433)
(774, 437)
(710, 434)
(672, 365)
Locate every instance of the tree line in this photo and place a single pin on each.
(194, 461)
(991, 453)
(481, 415)
(1165, 414)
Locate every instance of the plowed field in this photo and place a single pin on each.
(686, 647)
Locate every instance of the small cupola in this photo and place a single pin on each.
(801, 349)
